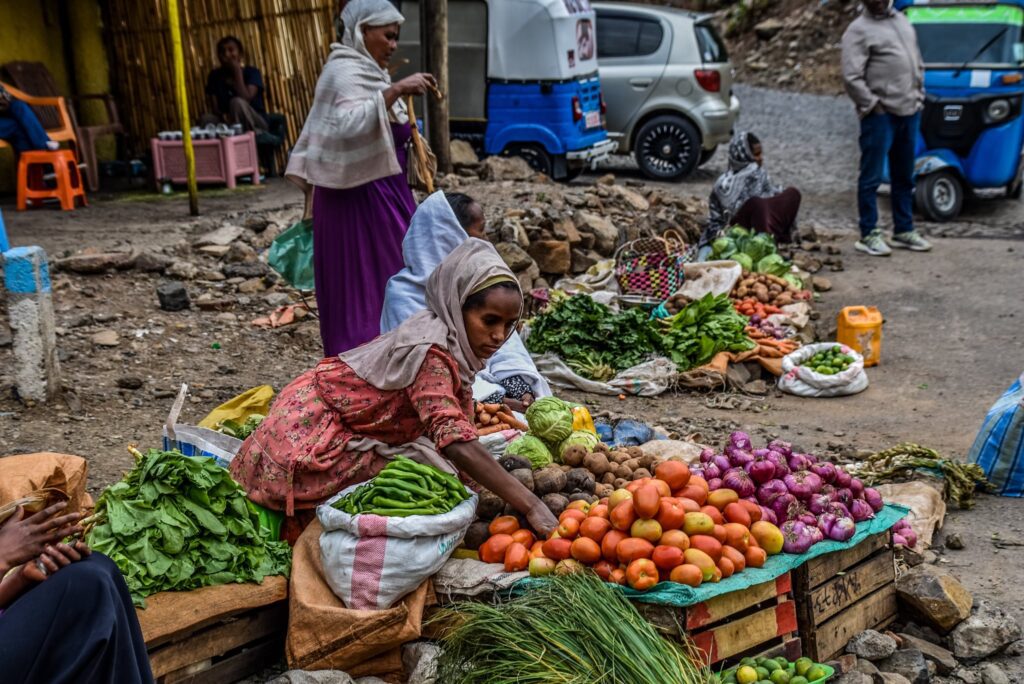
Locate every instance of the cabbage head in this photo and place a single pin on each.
(774, 264)
(743, 260)
(550, 419)
(723, 248)
(532, 449)
(583, 438)
(760, 246)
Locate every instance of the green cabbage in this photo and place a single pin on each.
(759, 246)
(530, 448)
(743, 260)
(723, 248)
(584, 438)
(550, 419)
(774, 264)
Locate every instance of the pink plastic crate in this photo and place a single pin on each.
(221, 160)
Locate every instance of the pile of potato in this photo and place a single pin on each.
(768, 289)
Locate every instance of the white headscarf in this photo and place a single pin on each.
(360, 13)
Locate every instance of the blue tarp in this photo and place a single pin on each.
(681, 595)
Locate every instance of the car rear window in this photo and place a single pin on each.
(712, 48)
(622, 36)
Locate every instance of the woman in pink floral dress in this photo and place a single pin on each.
(406, 392)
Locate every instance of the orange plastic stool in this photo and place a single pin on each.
(31, 185)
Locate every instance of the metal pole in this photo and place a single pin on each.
(434, 20)
(182, 97)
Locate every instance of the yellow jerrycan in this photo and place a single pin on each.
(860, 327)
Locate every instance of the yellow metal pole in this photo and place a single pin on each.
(179, 82)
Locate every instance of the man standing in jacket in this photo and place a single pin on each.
(884, 76)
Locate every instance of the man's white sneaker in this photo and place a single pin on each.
(874, 244)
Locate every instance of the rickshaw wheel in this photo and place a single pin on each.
(940, 196)
(535, 155)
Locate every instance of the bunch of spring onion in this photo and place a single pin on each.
(959, 479)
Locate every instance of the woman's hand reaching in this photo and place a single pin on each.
(542, 519)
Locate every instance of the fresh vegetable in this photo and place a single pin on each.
(531, 448)
(240, 430)
(768, 290)
(403, 488)
(176, 523)
(903, 534)
(753, 251)
(829, 362)
(583, 438)
(572, 629)
(705, 327)
(550, 419)
(960, 480)
(492, 418)
(591, 338)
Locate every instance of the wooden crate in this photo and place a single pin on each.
(215, 634)
(841, 594)
(735, 624)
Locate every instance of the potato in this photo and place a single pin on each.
(596, 463)
(603, 490)
(511, 463)
(548, 480)
(525, 476)
(608, 478)
(476, 535)
(641, 473)
(582, 496)
(574, 455)
(556, 503)
(632, 464)
(742, 291)
(635, 452)
(620, 483)
(624, 471)
(646, 461)
(565, 468)
(580, 479)
(620, 456)
(490, 505)
(602, 448)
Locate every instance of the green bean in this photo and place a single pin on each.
(404, 485)
(398, 512)
(392, 503)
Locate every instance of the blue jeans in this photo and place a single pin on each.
(887, 136)
(20, 127)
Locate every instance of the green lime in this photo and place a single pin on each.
(762, 672)
(749, 662)
(780, 676)
(771, 664)
(764, 681)
(746, 675)
(803, 665)
(798, 680)
(816, 673)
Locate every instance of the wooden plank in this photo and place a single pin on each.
(720, 607)
(824, 568)
(173, 614)
(219, 639)
(235, 667)
(746, 633)
(846, 589)
(827, 640)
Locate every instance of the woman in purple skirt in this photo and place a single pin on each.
(352, 153)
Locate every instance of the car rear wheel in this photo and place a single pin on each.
(667, 148)
(535, 155)
(940, 196)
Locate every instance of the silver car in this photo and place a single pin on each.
(667, 84)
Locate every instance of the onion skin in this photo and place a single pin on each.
(899, 540)
(843, 478)
(760, 470)
(781, 506)
(784, 447)
(714, 484)
(816, 534)
(861, 511)
(874, 499)
(825, 522)
(803, 484)
(712, 472)
(799, 462)
(723, 462)
(738, 457)
(826, 471)
(707, 456)
(737, 480)
(770, 491)
(782, 469)
(857, 487)
(769, 515)
(842, 529)
(796, 537)
(844, 496)
(839, 510)
(818, 503)
(910, 537)
(740, 440)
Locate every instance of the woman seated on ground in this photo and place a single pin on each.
(65, 612)
(745, 196)
(406, 392)
(440, 224)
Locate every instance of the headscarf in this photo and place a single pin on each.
(392, 361)
(741, 152)
(360, 13)
(744, 179)
(433, 234)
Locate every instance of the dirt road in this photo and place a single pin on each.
(951, 343)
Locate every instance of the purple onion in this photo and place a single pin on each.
(825, 522)
(829, 491)
(762, 453)
(784, 447)
(738, 457)
(760, 470)
(818, 503)
(707, 456)
(712, 471)
(901, 524)
(768, 515)
(839, 510)
(714, 484)
(802, 484)
(842, 529)
(737, 480)
(781, 506)
(770, 491)
(799, 462)
(697, 470)
(873, 499)
(782, 470)
(844, 496)
(843, 478)
(755, 319)
(740, 440)
(899, 540)
(723, 462)
(826, 471)
(797, 538)
(909, 536)
(861, 511)
(812, 458)
(816, 533)
(807, 519)
(857, 487)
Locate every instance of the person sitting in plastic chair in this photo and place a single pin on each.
(19, 126)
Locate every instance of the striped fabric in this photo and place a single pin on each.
(999, 446)
(346, 140)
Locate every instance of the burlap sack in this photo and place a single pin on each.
(22, 474)
(924, 499)
(325, 635)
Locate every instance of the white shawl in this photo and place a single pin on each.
(346, 140)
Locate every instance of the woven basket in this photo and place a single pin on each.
(652, 266)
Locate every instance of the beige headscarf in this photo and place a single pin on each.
(393, 360)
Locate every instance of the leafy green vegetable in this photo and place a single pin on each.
(588, 335)
(241, 430)
(550, 419)
(774, 264)
(755, 252)
(583, 438)
(705, 327)
(531, 448)
(179, 523)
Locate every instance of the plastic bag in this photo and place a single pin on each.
(291, 255)
(804, 382)
(999, 446)
(252, 401)
(716, 277)
(648, 379)
(371, 562)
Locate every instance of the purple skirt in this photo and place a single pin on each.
(357, 247)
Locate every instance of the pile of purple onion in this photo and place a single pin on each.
(810, 500)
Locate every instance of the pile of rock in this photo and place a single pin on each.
(948, 638)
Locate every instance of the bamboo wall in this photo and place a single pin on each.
(287, 40)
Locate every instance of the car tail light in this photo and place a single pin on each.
(709, 79)
(604, 107)
(577, 110)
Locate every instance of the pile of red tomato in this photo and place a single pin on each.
(666, 528)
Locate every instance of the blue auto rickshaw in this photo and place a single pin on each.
(522, 80)
(972, 127)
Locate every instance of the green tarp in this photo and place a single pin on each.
(681, 595)
(973, 14)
